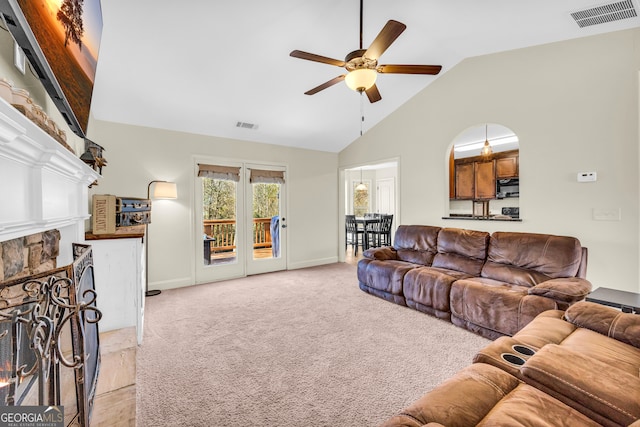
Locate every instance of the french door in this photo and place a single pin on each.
(265, 219)
(239, 219)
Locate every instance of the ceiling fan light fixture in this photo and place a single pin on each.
(361, 79)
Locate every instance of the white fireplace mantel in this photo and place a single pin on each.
(43, 185)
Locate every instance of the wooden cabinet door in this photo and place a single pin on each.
(485, 176)
(507, 167)
(465, 181)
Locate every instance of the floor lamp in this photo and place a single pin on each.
(161, 190)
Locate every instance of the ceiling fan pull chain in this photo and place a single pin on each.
(361, 111)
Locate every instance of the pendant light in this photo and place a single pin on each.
(486, 149)
(361, 186)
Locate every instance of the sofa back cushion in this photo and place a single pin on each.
(416, 243)
(461, 250)
(527, 258)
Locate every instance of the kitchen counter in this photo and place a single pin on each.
(481, 218)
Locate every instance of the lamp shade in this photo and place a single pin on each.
(165, 190)
(361, 79)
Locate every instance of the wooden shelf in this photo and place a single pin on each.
(91, 236)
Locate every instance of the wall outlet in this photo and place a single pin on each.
(587, 176)
(606, 214)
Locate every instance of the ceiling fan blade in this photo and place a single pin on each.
(316, 58)
(373, 94)
(409, 69)
(325, 85)
(387, 35)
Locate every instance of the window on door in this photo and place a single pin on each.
(266, 216)
(266, 188)
(219, 213)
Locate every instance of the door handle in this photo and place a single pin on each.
(284, 225)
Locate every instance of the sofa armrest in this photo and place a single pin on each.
(586, 384)
(607, 321)
(462, 400)
(381, 254)
(568, 290)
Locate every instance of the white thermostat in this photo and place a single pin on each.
(587, 176)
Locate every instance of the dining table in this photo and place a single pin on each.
(368, 225)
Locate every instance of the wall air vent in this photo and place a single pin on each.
(245, 125)
(606, 13)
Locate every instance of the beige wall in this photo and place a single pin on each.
(138, 155)
(574, 106)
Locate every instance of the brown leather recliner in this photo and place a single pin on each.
(524, 275)
(588, 357)
(575, 368)
(483, 395)
(381, 272)
(490, 284)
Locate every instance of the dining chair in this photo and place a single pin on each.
(384, 237)
(354, 235)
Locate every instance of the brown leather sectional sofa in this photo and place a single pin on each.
(492, 284)
(579, 367)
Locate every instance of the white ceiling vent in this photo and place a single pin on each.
(245, 125)
(606, 13)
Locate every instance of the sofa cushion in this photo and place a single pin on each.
(494, 305)
(461, 250)
(416, 243)
(528, 258)
(427, 289)
(384, 278)
(601, 390)
(607, 350)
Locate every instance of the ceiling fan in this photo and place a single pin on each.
(362, 64)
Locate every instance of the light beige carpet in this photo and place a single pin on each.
(296, 348)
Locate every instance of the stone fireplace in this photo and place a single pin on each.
(29, 255)
(47, 302)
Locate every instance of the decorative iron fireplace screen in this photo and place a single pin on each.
(49, 347)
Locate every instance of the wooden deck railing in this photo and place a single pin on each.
(223, 231)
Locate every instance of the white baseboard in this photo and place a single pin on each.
(312, 263)
(171, 284)
(189, 281)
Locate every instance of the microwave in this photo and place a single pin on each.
(507, 188)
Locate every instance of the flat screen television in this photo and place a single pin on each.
(61, 40)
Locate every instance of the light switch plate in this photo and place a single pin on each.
(606, 214)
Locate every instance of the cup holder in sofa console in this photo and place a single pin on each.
(512, 359)
(524, 350)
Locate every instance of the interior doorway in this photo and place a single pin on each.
(368, 188)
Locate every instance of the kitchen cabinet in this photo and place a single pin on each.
(485, 180)
(465, 181)
(475, 180)
(507, 167)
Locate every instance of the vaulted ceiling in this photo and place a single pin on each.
(205, 67)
